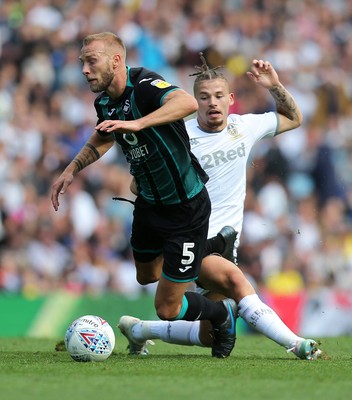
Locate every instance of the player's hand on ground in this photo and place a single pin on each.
(59, 187)
(263, 73)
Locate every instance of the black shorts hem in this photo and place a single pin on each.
(177, 280)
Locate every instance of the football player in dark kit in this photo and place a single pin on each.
(144, 114)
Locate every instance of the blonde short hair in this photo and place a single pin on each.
(111, 41)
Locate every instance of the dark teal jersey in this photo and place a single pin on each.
(165, 169)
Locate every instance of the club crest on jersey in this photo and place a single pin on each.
(160, 84)
(232, 131)
(126, 107)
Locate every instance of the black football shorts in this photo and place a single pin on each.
(179, 232)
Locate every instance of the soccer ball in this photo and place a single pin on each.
(89, 338)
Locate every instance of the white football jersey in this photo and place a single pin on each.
(224, 155)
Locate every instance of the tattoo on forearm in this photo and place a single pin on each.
(79, 164)
(86, 156)
(285, 104)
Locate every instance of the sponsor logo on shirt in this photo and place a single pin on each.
(219, 157)
(160, 84)
(139, 152)
(136, 152)
(130, 138)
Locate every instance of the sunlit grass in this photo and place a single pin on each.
(257, 369)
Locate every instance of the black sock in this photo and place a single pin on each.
(215, 244)
(201, 308)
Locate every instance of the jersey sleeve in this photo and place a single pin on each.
(151, 90)
(100, 116)
(260, 125)
(98, 110)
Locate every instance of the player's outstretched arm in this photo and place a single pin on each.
(176, 105)
(264, 74)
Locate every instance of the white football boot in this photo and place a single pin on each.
(135, 347)
(306, 349)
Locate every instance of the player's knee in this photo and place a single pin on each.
(146, 279)
(147, 273)
(167, 313)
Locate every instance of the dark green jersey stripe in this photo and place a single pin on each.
(171, 165)
(160, 159)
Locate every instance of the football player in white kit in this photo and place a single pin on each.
(222, 144)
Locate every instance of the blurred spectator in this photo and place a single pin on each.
(297, 225)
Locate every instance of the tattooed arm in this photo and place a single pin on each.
(95, 148)
(289, 114)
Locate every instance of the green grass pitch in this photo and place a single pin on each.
(257, 369)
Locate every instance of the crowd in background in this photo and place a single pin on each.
(297, 225)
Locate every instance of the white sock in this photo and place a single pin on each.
(177, 332)
(265, 320)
